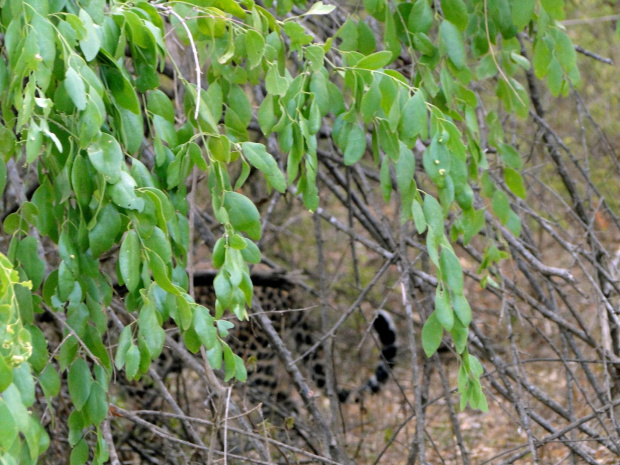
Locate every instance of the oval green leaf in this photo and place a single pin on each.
(129, 260)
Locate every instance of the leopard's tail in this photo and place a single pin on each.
(386, 337)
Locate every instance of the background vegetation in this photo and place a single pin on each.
(452, 162)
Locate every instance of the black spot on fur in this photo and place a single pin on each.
(385, 330)
(382, 373)
(389, 353)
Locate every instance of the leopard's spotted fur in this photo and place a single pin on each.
(280, 298)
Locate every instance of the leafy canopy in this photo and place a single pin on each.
(80, 88)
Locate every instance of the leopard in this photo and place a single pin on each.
(283, 299)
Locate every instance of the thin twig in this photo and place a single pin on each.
(194, 52)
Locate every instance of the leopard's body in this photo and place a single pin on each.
(281, 299)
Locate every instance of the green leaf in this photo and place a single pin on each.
(18, 411)
(159, 243)
(232, 7)
(319, 8)
(462, 309)
(459, 336)
(564, 50)
(511, 157)
(251, 252)
(145, 355)
(373, 7)
(414, 120)
(219, 253)
(486, 68)
(195, 154)
(555, 8)
(501, 205)
(541, 59)
(520, 60)
(274, 83)
(432, 333)
(420, 17)
(28, 257)
(76, 424)
(80, 382)
(405, 168)
(522, 12)
(555, 77)
(255, 47)
(386, 180)
(455, 11)
(97, 404)
(132, 132)
(192, 342)
(418, 216)
(165, 130)
(437, 160)
(451, 270)
(238, 101)
(122, 90)
(8, 427)
(242, 214)
(151, 329)
(3, 172)
(90, 44)
(79, 454)
(370, 102)
(266, 116)
(129, 260)
(443, 310)
(184, 314)
(103, 234)
(132, 362)
(34, 142)
(123, 193)
(107, 157)
(474, 224)
(139, 34)
(215, 356)
(230, 363)
(22, 378)
(315, 55)
(514, 223)
(6, 375)
(258, 157)
(424, 44)
(390, 37)
(203, 325)
(465, 198)
(515, 183)
(454, 45)
(81, 181)
(159, 104)
(223, 289)
(375, 61)
(75, 88)
(366, 37)
(314, 118)
(160, 273)
(219, 147)
(124, 342)
(356, 145)
(433, 213)
(50, 381)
